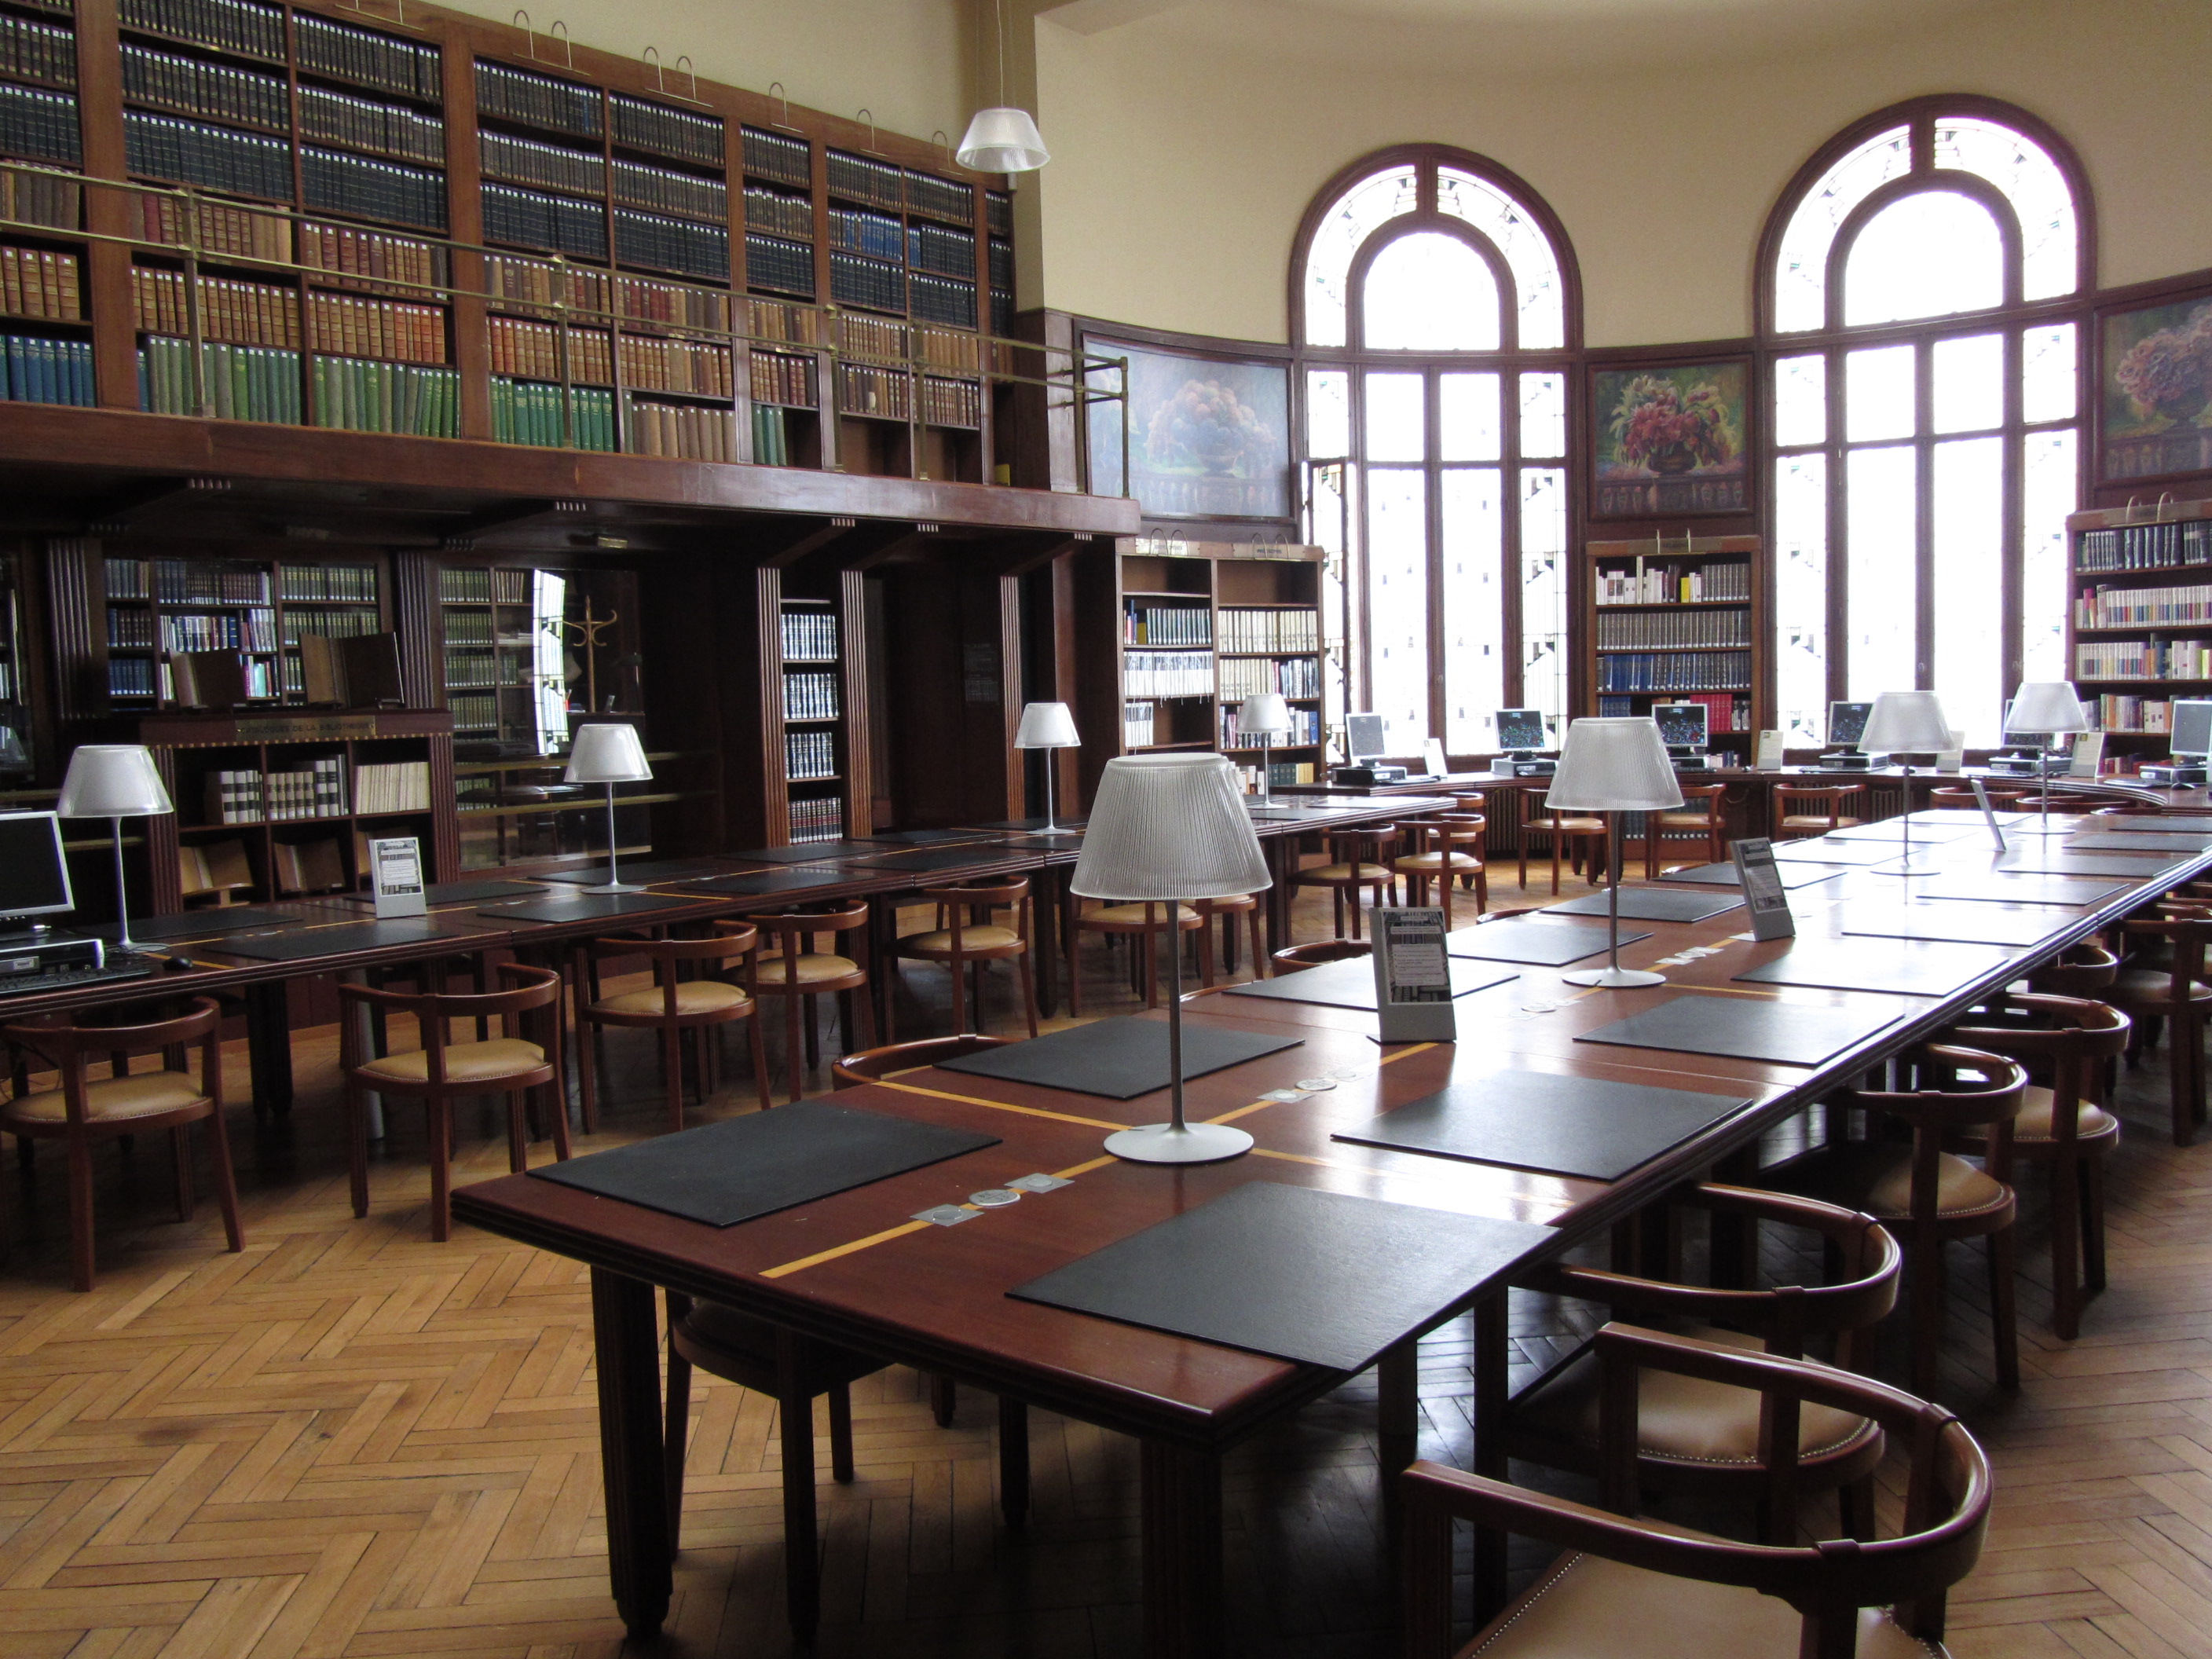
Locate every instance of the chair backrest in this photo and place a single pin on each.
(2187, 934)
(1827, 798)
(2079, 970)
(529, 988)
(1294, 958)
(992, 895)
(873, 1064)
(1473, 801)
(1946, 1514)
(792, 929)
(2076, 1036)
(1972, 1089)
(731, 941)
(67, 1047)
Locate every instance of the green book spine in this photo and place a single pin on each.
(323, 392)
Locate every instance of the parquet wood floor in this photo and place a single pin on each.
(349, 1441)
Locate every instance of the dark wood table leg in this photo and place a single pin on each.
(1492, 1357)
(802, 1567)
(1014, 1462)
(1398, 1380)
(269, 1044)
(1045, 892)
(628, 1338)
(1185, 1614)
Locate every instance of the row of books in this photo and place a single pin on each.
(327, 624)
(675, 132)
(1724, 713)
(638, 299)
(856, 281)
(1002, 312)
(885, 393)
(244, 313)
(1289, 676)
(678, 245)
(468, 584)
(810, 696)
(38, 126)
(942, 299)
(533, 350)
(327, 584)
(367, 57)
(251, 630)
(1000, 256)
(2121, 712)
(771, 436)
(468, 628)
(777, 379)
(939, 248)
(556, 224)
(1305, 729)
(810, 756)
(856, 231)
(947, 199)
(356, 327)
(785, 216)
(42, 198)
(1166, 624)
(342, 118)
(686, 432)
(136, 677)
(810, 636)
(194, 153)
(465, 669)
(1281, 773)
(40, 283)
(243, 382)
(2126, 607)
(37, 50)
(1672, 584)
(820, 818)
(187, 581)
(1167, 673)
(536, 100)
(2143, 659)
(1288, 630)
(528, 161)
(474, 711)
(864, 178)
(382, 787)
(129, 630)
(374, 254)
(42, 371)
(200, 88)
(771, 262)
(999, 212)
(1724, 625)
(777, 155)
(344, 183)
(872, 337)
(671, 193)
(952, 402)
(1138, 725)
(240, 26)
(1674, 670)
(354, 394)
(780, 320)
(316, 790)
(529, 412)
(2144, 546)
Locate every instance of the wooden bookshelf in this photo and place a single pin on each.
(2139, 618)
(1667, 620)
(260, 607)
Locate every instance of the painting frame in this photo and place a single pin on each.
(2154, 380)
(1670, 439)
(1209, 435)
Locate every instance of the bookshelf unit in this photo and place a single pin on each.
(2139, 621)
(259, 607)
(1683, 621)
(815, 768)
(46, 329)
(489, 643)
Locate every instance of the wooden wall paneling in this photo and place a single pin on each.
(764, 813)
(852, 610)
(421, 623)
(924, 654)
(108, 264)
(1093, 581)
(75, 592)
(465, 220)
(1045, 428)
(1011, 792)
(678, 633)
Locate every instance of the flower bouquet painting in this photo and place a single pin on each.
(1670, 440)
(1208, 438)
(2158, 391)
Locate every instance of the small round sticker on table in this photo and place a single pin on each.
(1314, 1086)
(993, 1197)
(1285, 1096)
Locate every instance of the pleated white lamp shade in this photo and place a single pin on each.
(605, 752)
(1905, 722)
(1617, 765)
(1265, 715)
(113, 780)
(1168, 827)
(1047, 725)
(1003, 141)
(2046, 706)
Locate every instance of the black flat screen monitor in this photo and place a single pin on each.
(1363, 736)
(1682, 724)
(2190, 728)
(1521, 730)
(34, 873)
(1847, 723)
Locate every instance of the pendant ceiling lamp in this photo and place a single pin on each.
(1002, 139)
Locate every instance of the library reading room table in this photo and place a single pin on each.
(1753, 1031)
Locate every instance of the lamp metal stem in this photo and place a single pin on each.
(1051, 817)
(1174, 1017)
(1267, 772)
(122, 892)
(1612, 888)
(614, 844)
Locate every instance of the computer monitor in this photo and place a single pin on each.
(1682, 724)
(1521, 730)
(1363, 736)
(34, 873)
(2189, 729)
(1847, 722)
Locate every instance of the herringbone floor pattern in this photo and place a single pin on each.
(349, 1441)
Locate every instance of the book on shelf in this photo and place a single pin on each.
(1248, 677)
(42, 282)
(558, 224)
(2144, 546)
(1673, 670)
(942, 249)
(781, 156)
(356, 327)
(884, 394)
(2142, 659)
(810, 696)
(529, 412)
(1166, 624)
(942, 299)
(242, 383)
(538, 101)
(685, 432)
(780, 379)
(682, 134)
(771, 438)
(864, 178)
(2122, 711)
(1673, 583)
(464, 584)
(42, 198)
(1724, 712)
(1280, 774)
(342, 182)
(327, 584)
(373, 256)
(820, 818)
(384, 787)
(322, 45)
(38, 125)
(130, 631)
(810, 756)
(854, 230)
(669, 191)
(952, 402)
(197, 86)
(353, 394)
(809, 635)
(774, 262)
(1137, 724)
(342, 117)
(772, 211)
(856, 280)
(234, 797)
(244, 26)
(2131, 607)
(531, 161)
(170, 148)
(219, 869)
(948, 198)
(219, 227)
(252, 628)
(240, 313)
(38, 51)
(310, 866)
(129, 579)
(1726, 625)
(1284, 629)
(683, 245)
(1305, 730)
(1167, 673)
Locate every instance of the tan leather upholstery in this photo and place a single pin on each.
(972, 938)
(812, 969)
(1343, 872)
(1573, 826)
(1685, 1419)
(1434, 860)
(143, 1095)
(1687, 820)
(1961, 1188)
(465, 1063)
(1132, 916)
(1817, 821)
(1587, 1607)
(2145, 985)
(2034, 1122)
(696, 996)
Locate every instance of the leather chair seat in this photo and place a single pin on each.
(813, 969)
(1346, 873)
(1132, 916)
(720, 1340)
(1878, 1179)
(1686, 821)
(146, 1094)
(1418, 861)
(2033, 1123)
(1239, 902)
(465, 1063)
(1587, 1607)
(1576, 826)
(696, 996)
(940, 943)
(1817, 821)
(2140, 987)
(1686, 1420)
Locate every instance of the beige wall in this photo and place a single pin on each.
(1182, 166)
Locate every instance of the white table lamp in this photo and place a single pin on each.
(1907, 722)
(1047, 726)
(115, 781)
(2046, 706)
(604, 752)
(1171, 828)
(1613, 766)
(1266, 717)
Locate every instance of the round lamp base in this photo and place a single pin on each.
(1615, 979)
(1195, 1143)
(1914, 866)
(1054, 830)
(614, 887)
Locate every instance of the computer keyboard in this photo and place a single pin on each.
(78, 975)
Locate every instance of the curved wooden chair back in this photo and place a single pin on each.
(874, 1065)
(530, 988)
(1822, 801)
(2080, 970)
(956, 906)
(67, 1047)
(794, 931)
(1296, 958)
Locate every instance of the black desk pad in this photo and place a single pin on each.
(1969, 815)
(1824, 850)
(809, 851)
(1569, 1125)
(203, 924)
(925, 859)
(1030, 824)
(1650, 904)
(1724, 875)
(2049, 861)
(924, 837)
(1534, 943)
(762, 883)
(585, 906)
(1908, 967)
(2009, 888)
(1930, 834)
(472, 892)
(296, 942)
(1786, 1033)
(639, 870)
(2123, 840)
(1315, 1277)
(1117, 1059)
(1266, 813)
(732, 1171)
(2149, 823)
(1958, 923)
(1350, 984)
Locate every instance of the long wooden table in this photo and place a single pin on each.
(856, 1270)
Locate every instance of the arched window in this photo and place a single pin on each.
(1434, 305)
(1923, 308)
